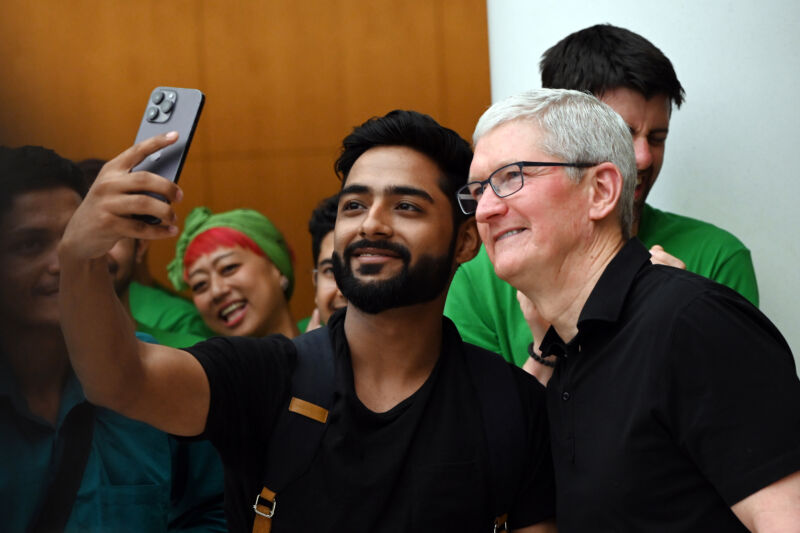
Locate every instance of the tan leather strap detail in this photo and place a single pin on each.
(267, 494)
(312, 411)
(501, 523)
(261, 523)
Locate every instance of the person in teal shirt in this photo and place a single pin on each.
(136, 478)
(627, 72)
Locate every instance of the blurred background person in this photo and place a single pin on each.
(65, 464)
(239, 269)
(327, 297)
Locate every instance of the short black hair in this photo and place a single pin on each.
(323, 220)
(417, 131)
(604, 57)
(34, 168)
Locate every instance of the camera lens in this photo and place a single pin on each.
(152, 114)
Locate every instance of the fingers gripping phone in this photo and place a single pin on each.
(168, 109)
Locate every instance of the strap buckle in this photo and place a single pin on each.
(274, 505)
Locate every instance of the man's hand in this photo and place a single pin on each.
(659, 257)
(105, 215)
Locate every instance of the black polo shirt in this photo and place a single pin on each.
(676, 399)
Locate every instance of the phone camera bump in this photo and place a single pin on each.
(167, 105)
(152, 114)
(162, 105)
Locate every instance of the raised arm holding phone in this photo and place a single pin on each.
(116, 370)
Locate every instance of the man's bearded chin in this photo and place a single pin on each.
(420, 283)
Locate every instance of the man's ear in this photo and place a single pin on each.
(469, 242)
(141, 250)
(606, 188)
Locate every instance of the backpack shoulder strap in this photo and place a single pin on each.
(503, 423)
(56, 507)
(299, 429)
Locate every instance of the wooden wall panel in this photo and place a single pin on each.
(464, 61)
(285, 80)
(76, 75)
(271, 67)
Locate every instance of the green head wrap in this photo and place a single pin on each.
(247, 221)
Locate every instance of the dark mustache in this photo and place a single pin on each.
(399, 249)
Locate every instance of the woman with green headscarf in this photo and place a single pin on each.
(239, 269)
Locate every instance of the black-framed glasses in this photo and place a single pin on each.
(504, 181)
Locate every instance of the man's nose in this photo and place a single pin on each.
(489, 205)
(375, 223)
(644, 156)
(53, 265)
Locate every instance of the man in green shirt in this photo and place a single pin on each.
(631, 75)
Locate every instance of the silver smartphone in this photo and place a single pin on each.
(169, 109)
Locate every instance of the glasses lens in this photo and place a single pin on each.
(507, 180)
(468, 197)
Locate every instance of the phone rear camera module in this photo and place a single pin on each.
(152, 114)
(162, 106)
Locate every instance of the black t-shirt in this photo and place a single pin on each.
(676, 400)
(420, 466)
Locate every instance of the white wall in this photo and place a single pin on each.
(734, 146)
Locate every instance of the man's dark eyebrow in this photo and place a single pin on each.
(402, 190)
(354, 189)
(325, 262)
(391, 190)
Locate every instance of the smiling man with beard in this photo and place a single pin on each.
(409, 441)
(421, 283)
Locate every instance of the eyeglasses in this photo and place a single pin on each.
(325, 273)
(505, 181)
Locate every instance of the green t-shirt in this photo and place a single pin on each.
(172, 320)
(486, 311)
